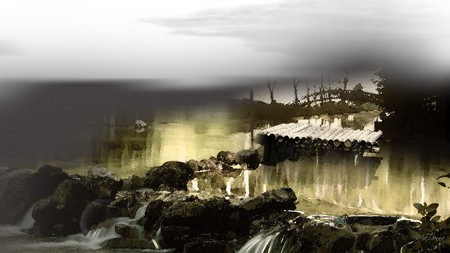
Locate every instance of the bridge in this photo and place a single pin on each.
(339, 94)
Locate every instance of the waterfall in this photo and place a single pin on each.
(106, 231)
(195, 184)
(228, 188)
(274, 241)
(27, 221)
(247, 182)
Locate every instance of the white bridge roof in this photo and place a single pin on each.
(305, 130)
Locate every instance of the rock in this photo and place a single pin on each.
(128, 202)
(194, 165)
(183, 221)
(248, 157)
(103, 183)
(211, 215)
(271, 201)
(59, 214)
(153, 212)
(130, 231)
(95, 172)
(172, 174)
(208, 164)
(227, 157)
(382, 242)
(19, 189)
(326, 239)
(94, 213)
(133, 183)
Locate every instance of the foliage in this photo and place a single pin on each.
(429, 239)
(413, 109)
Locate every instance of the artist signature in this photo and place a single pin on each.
(430, 237)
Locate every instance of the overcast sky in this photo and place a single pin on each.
(206, 40)
(212, 42)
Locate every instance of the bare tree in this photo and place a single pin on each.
(271, 89)
(321, 89)
(296, 83)
(329, 88)
(307, 93)
(345, 81)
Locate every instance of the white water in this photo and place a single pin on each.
(195, 184)
(94, 239)
(27, 221)
(229, 183)
(247, 182)
(270, 242)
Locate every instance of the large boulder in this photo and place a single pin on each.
(182, 222)
(248, 157)
(326, 239)
(19, 189)
(227, 157)
(126, 203)
(271, 201)
(76, 205)
(60, 213)
(103, 183)
(172, 175)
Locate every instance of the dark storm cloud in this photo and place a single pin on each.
(59, 119)
(318, 35)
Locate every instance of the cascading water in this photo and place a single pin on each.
(247, 182)
(98, 236)
(274, 241)
(228, 187)
(27, 221)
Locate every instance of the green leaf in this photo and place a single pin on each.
(432, 207)
(435, 218)
(432, 213)
(419, 206)
(442, 184)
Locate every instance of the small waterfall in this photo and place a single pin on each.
(140, 213)
(228, 188)
(106, 231)
(247, 182)
(274, 241)
(27, 221)
(195, 184)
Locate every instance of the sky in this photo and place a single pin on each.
(205, 42)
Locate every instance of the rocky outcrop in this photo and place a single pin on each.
(77, 204)
(59, 214)
(19, 189)
(249, 157)
(274, 200)
(184, 219)
(170, 175)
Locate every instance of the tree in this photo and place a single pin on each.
(345, 81)
(296, 83)
(358, 87)
(412, 109)
(271, 89)
(307, 93)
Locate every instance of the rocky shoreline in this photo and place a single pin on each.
(161, 212)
